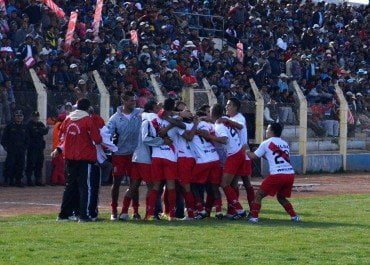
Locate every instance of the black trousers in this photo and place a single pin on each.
(14, 166)
(35, 160)
(80, 195)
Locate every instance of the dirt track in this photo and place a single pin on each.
(35, 200)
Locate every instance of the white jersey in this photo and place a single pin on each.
(233, 144)
(276, 151)
(165, 151)
(183, 145)
(204, 151)
(243, 133)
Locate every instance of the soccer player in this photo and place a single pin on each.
(141, 158)
(206, 171)
(226, 134)
(232, 111)
(164, 158)
(125, 124)
(281, 178)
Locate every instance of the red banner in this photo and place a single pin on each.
(56, 9)
(70, 30)
(134, 37)
(2, 7)
(97, 18)
(240, 51)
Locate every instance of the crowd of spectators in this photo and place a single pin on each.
(314, 44)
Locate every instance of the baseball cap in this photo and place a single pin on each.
(73, 66)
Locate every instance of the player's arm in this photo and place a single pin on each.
(212, 137)
(176, 122)
(189, 135)
(258, 153)
(232, 124)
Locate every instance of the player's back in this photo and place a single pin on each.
(204, 150)
(277, 153)
(243, 133)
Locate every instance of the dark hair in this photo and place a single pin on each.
(217, 110)
(83, 104)
(204, 107)
(149, 106)
(127, 95)
(235, 102)
(276, 128)
(169, 104)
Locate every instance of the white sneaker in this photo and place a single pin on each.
(296, 219)
(113, 217)
(253, 220)
(187, 218)
(124, 217)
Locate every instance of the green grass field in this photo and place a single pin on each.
(335, 230)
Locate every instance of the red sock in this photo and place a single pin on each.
(172, 202)
(189, 201)
(151, 200)
(198, 204)
(289, 209)
(125, 204)
(209, 203)
(218, 205)
(135, 206)
(250, 196)
(232, 199)
(255, 209)
(166, 202)
(237, 191)
(114, 205)
(230, 210)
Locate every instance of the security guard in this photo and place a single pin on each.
(15, 141)
(35, 153)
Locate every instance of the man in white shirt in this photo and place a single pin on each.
(281, 178)
(206, 171)
(164, 158)
(232, 111)
(226, 134)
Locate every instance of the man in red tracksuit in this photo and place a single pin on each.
(78, 135)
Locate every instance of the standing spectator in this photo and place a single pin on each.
(79, 135)
(15, 141)
(35, 153)
(57, 171)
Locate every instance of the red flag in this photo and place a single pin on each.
(56, 9)
(70, 30)
(2, 7)
(97, 18)
(240, 51)
(134, 37)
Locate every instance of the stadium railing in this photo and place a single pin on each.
(259, 128)
(104, 96)
(302, 146)
(157, 89)
(41, 96)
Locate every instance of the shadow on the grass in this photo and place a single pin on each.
(280, 212)
(263, 223)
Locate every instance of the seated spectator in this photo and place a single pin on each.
(188, 78)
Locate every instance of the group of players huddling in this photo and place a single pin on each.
(176, 150)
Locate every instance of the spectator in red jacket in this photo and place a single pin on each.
(78, 135)
(188, 78)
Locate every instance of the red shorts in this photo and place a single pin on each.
(141, 171)
(280, 184)
(207, 173)
(247, 168)
(163, 169)
(185, 167)
(235, 164)
(121, 165)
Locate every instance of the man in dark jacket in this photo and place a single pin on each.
(35, 153)
(15, 141)
(79, 135)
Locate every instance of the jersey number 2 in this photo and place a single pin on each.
(278, 157)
